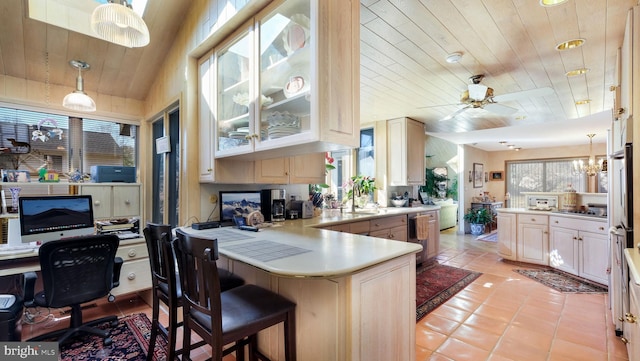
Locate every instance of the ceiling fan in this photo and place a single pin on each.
(481, 96)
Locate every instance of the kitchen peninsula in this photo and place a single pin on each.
(355, 294)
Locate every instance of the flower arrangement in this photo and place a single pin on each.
(359, 187)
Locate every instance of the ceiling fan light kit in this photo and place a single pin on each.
(583, 101)
(79, 100)
(116, 22)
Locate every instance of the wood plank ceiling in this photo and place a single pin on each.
(404, 44)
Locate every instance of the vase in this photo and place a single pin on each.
(477, 229)
(361, 201)
(15, 194)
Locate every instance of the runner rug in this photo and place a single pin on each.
(562, 281)
(130, 342)
(436, 283)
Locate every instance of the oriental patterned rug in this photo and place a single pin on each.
(491, 237)
(562, 281)
(436, 283)
(130, 342)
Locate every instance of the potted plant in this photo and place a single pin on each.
(478, 218)
(359, 189)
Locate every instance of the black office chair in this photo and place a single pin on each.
(166, 286)
(233, 317)
(76, 271)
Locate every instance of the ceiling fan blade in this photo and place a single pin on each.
(437, 106)
(499, 109)
(531, 93)
(455, 114)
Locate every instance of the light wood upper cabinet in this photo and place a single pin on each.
(301, 169)
(405, 152)
(286, 82)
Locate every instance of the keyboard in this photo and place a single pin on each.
(14, 250)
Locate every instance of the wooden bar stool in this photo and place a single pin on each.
(166, 287)
(233, 317)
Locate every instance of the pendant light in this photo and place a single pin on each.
(116, 22)
(78, 99)
(591, 168)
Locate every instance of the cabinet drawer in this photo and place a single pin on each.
(340, 227)
(135, 276)
(579, 224)
(133, 251)
(533, 219)
(361, 227)
(396, 233)
(388, 222)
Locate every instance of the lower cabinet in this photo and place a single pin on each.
(579, 247)
(631, 329)
(533, 239)
(507, 233)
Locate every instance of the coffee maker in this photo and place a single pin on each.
(272, 204)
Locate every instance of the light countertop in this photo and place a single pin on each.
(633, 261)
(316, 252)
(552, 213)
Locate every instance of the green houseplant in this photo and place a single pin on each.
(358, 190)
(478, 218)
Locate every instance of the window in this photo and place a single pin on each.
(366, 159)
(541, 176)
(30, 140)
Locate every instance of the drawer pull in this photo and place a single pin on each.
(132, 253)
(624, 340)
(127, 202)
(131, 276)
(533, 219)
(556, 222)
(601, 228)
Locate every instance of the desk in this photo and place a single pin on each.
(492, 207)
(135, 275)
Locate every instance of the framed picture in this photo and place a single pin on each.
(496, 175)
(19, 176)
(478, 175)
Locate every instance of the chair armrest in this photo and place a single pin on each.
(117, 266)
(28, 288)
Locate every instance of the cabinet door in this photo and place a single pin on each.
(507, 233)
(631, 331)
(234, 94)
(307, 169)
(594, 262)
(126, 201)
(205, 119)
(533, 243)
(274, 171)
(564, 250)
(415, 153)
(101, 197)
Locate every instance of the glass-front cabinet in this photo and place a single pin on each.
(267, 87)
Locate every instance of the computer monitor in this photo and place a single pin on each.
(237, 203)
(48, 218)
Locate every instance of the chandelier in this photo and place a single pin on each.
(591, 168)
(116, 22)
(78, 99)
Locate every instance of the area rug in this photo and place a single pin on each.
(562, 281)
(491, 237)
(436, 283)
(130, 342)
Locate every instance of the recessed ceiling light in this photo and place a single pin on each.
(570, 44)
(552, 2)
(521, 117)
(453, 58)
(576, 72)
(503, 142)
(511, 146)
(517, 149)
(584, 101)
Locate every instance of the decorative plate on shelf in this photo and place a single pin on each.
(296, 35)
(297, 84)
